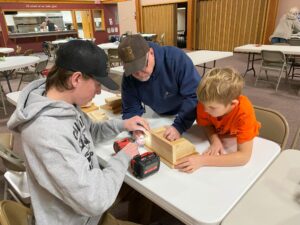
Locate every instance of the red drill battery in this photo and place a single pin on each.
(141, 165)
(144, 165)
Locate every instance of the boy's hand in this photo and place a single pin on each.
(131, 149)
(216, 148)
(136, 123)
(189, 164)
(171, 133)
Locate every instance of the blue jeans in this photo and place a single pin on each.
(275, 40)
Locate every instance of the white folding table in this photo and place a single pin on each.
(106, 46)
(198, 58)
(11, 63)
(253, 49)
(208, 194)
(275, 198)
(203, 197)
(6, 50)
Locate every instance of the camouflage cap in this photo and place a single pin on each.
(133, 52)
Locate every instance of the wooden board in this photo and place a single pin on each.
(90, 108)
(97, 115)
(168, 151)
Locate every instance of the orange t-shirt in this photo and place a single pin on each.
(240, 122)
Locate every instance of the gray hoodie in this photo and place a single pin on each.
(65, 181)
(287, 25)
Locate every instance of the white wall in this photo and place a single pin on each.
(127, 21)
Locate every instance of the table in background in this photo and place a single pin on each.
(197, 57)
(148, 37)
(203, 197)
(205, 56)
(274, 198)
(106, 46)
(6, 50)
(63, 41)
(253, 49)
(11, 63)
(208, 194)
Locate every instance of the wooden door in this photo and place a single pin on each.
(159, 19)
(225, 24)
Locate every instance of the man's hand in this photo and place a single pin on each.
(131, 149)
(189, 164)
(171, 133)
(136, 123)
(216, 148)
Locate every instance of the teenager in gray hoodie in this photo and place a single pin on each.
(65, 181)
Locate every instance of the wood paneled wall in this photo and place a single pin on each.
(160, 19)
(225, 24)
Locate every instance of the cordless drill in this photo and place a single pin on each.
(141, 165)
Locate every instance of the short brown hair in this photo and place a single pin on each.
(59, 78)
(220, 85)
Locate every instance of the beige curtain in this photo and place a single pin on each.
(161, 19)
(225, 24)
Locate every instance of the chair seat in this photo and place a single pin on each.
(18, 181)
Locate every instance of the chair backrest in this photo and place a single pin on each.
(274, 126)
(28, 52)
(41, 66)
(154, 38)
(273, 57)
(162, 39)
(296, 139)
(18, 50)
(294, 41)
(7, 139)
(113, 56)
(11, 160)
(14, 213)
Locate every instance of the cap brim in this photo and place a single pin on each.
(136, 65)
(108, 82)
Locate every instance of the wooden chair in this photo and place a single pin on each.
(18, 50)
(296, 139)
(272, 61)
(113, 57)
(274, 126)
(162, 39)
(28, 52)
(13, 213)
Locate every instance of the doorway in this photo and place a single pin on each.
(181, 24)
(84, 24)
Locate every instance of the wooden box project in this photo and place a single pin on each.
(113, 104)
(169, 152)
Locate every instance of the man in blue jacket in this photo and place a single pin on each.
(164, 78)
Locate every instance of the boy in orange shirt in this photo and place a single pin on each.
(223, 112)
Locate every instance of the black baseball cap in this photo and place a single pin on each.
(133, 52)
(86, 57)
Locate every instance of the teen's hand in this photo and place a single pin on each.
(216, 148)
(171, 133)
(131, 149)
(189, 164)
(136, 123)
